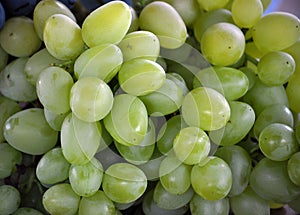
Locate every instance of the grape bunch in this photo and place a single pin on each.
(148, 107)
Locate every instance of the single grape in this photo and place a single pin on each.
(252, 50)
(10, 199)
(292, 90)
(293, 168)
(9, 158)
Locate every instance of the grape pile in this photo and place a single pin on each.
(148, 107)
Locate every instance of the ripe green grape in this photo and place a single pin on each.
(86, 179)
(198, 205)
(98, 203)
(293, 168)
(292, 90)
(29, 132)
(211, 179)
(52, 161)
(140, 77)
(246, 13)
(179, 80)
(102, 26)
(208, 5)
(54, 120)
(27, 211)
(10, 199)
(124, 182)
(241, 120)
(252, 50)
(293, 51)
(102, 61)
(205, 108)
(3, 57)
(276, 68)
(164, 21)
(276, 31)
(240, 164)
(18, 37)
(53, 89)
(278, 142)
(66, 47)
(79, 139)
(91, 99)
(106, 139)
(140, 44)
(127, 121)
(270, 180)
(60, 199)
(9, 158)
(46, 8)
(13, 83)
(222, 44)
(174, 176)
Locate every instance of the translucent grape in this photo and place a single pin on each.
(10, 199)
(61, 199)
(91, 99)
(208, 5)
(66, 47)
(222, 44)
(205, 108)
(124, 183)
(9, 158)
(102, 26)
(293, 168)
(29, 132)
(164, 21)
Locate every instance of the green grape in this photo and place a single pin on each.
(10, 199)
(79, 139)
(231, 82)
(293, 50)
(198, 205)
(124, 182)
(191, 145)
(27, 211)
(7, 108)
(222, 44)
(278, 142)
(134, 25)
(178, 79)
(276, 68)
(53, 89)
(13, 83)
(52, 161)
(37, 62)
(98, 203)
(277, 113)
(246, 13)
(240, 123)
(260, 96)
(106, 139)
(102, 61)
(276, 31)
(151, 208)
(18, 37)
(124, 206)
(9, 158)
(293, 168)
(270, 180)
(141, 77)
(139, 154)
(68, 47)
(252, 50)
(3, 57)
(128, 124)
(86, 179)
(204, 20)
(292, 90)
(164, 21)
(208, 5)
(251, 75)
(29, 132)
(211, 179)
(46, 8)
(102, 26)
(240, 164)
(91, 99)
(174, 176)
(60, 199)
(140, 44)
(54, 120)
(247, 202)
(205, 108)
(165, 100)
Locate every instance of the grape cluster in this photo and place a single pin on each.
(148, 107)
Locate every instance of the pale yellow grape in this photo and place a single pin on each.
(210, 5)
(276, 31)
(109, 23)
(140, 44)
(246, 13)
(62, 37)
(164, 21)
(223, 44)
